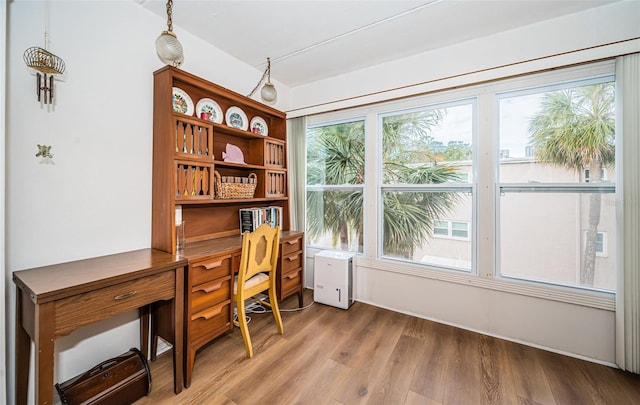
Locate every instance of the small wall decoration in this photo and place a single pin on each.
(45, 63)
(44, 151)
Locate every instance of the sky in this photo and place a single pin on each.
(515, 113)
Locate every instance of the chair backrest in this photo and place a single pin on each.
(259, 252)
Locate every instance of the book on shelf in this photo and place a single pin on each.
(252, 218)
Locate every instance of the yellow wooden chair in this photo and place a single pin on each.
(257, 274)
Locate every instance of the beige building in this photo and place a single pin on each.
(542, 235)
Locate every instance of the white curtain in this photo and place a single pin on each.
(297, 152)
(628, 286)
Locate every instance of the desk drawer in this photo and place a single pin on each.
(210, 321)
(91, 306)
(210, 269)
(291, 281)
(291, 262)
(291, 245)
(210, 293)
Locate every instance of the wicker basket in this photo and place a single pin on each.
(235, 187)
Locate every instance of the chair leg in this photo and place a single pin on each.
(242, 323)
(273, 301)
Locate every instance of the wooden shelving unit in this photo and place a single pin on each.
(187, 150)
(187, 154)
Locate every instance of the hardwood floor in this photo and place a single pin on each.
(368, 355)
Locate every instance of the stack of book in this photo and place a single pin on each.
(252, 218)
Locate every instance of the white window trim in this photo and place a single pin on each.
(408, 106)
(483, 187)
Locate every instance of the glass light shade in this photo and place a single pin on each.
(268, 92)
(169, 49)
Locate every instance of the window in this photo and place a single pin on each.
(335, 178)
(603, 175)
(441, 228)
(427, 160)
(553, 225)
(528, 151)
(459, 230)
(601, 244)
(485, 181)
(451, 229)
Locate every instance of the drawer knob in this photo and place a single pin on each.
(124, 296)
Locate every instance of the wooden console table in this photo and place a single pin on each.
(53, 301)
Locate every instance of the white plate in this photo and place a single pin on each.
(258, 126)
(181, 101)
(207, 109)
(236, 118)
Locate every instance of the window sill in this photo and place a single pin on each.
(592, 299)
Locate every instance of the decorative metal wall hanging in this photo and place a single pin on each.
(44, 151)
(47, 65)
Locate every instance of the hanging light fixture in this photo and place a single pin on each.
(168, 47)
(268, 92)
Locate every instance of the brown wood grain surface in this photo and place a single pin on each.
(369, 355)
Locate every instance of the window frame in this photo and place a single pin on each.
(581, 187)
(485, 185)
(336, 187)
(468, 188)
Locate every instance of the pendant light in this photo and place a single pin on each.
(168, 47)
(268, 92)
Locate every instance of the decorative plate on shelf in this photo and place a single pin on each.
(181, 101)
(258, 126)
(236, 118)
(207, 109)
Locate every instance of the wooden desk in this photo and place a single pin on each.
(53, 301)
(209, 289)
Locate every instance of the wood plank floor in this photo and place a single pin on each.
(368, 355)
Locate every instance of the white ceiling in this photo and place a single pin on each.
(311, 40)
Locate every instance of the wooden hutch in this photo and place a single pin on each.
(187, 158)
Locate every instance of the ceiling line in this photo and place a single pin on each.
(364, 27)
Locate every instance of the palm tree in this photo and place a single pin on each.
(335, 156)
(575, 129)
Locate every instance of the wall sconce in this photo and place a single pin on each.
(168, 47)
(268, 92)
(46, 63)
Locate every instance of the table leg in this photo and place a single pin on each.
(23, 353)
(144, 330)
(44, 338)
(178, 330)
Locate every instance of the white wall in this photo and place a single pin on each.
(3, 281)
(425, 72)
(94, 197)
(583, 328)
